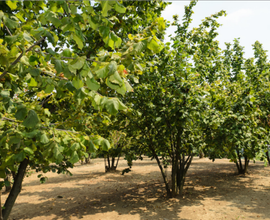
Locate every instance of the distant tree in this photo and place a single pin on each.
(169, 102)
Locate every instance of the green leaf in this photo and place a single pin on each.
(20, 16)
(77, 63)
(66, 53)
(49, 88)
(70, 87)
(122, 106)
(161, 24)
(105, 144)
(31, 134)
(75, 147)
(12, 39)
(47, 112)
(27, 37)
(50, 37)
(11, 24)
(33, 59)
(119, 8)
(102, 73)
(104, 31)
(74, 157)
(20, 156)
(2, 174)
(5, 93)
(73, 9)
(77, 82)
(121, 90)
(12, 4)
(28, 150)
(34, 72)
(57, 153)
(21, 113)
(105, 8)
(14, 140)
(86, 71)
(78, 40)
(154, 46)
(128, 86)
(32, 119)
(158, 119)
(112, 67)
(91, 148)
(92, 84)
(92, 23)
(112, 85)
(58, 66)
(112, 105)
(32, 82)
(140, 46)
(44, 139)
(116, 78)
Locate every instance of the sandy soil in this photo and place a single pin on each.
(212, 191)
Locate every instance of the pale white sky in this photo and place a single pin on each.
(249, 20)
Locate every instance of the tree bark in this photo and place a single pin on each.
(201, 155)
(174, 175)
(163, 173)
(183, 168)
(268, 158)
(246, 164)
(113, 159)
(240, 162)
(1, 218)
(117, 160)
(16, 189)
(242, 168)
(108, 159)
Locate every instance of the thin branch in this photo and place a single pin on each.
(8, 30)
(19, 57)
(45, 100)
(53, 75)
(7, 119)
(39, 41)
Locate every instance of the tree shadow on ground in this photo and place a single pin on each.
(220, 182)
(126, 196)
(144, 194)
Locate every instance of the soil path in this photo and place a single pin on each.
(212, 191)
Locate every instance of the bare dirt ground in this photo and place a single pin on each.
(212, 191)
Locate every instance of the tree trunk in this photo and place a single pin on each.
(174, 175)
(201, 155)
(268, 158)
(108, 159)
(182, 171)
(1, 218)
(113, 159)
(111, 166)
(16, 189)
(242, 168)
(169, 195)
(117, 160)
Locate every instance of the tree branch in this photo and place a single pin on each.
(19, 57)
(7, 30)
